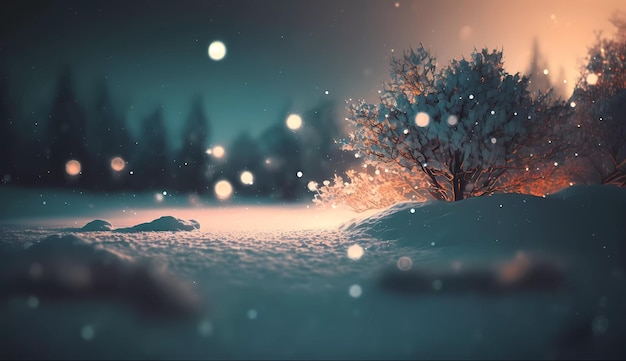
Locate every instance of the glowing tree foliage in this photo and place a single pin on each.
(365, 190)
(465, 130)
(600, 101)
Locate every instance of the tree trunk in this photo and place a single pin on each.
(458, 186)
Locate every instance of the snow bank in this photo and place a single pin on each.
(165, 223)
(502, 243)
(97, 225)
(579, 215)
(68, 267)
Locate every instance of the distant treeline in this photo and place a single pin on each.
(91, 148)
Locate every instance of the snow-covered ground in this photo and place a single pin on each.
(506, 276)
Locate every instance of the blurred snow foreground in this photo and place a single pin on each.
(495, 277)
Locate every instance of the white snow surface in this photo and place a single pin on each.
(499, 277)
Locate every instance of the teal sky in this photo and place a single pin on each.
(280, 54)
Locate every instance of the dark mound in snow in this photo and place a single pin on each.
(163, 224)
(68, 267)
(97, 225)
(525, 273)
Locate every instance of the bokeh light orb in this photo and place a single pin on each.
(294, 122)
(118, 164)
(217, 50)
(355, 291)
(355, 252)
(404, 263)
(218, 151)
(422, 119)
(592, 79)
(223, 190)
(246, 178)
(453, 120)
(72, 167)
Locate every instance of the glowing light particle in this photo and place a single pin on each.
(404, 263)
(159, 197)
(118, 164)
(299, 174)
(205, 328)
(72, 167)
(437, 285)
(294, 122)
(592, 79)
(246, 178)
(223, 190)
(252, 314)
(32, 301)
(546, 72)
(355, 291)
(422, 119)
(87, 332)
(312, 186)
(453, 120)
(494, 140)
(217, 50)
(599, 325)
(218, 151)
(572, 104)
(355, 252)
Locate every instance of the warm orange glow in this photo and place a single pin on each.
(513, 271)
(72, 167)
(118, 164)
(549, 181)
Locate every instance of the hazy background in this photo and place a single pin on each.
(281, 54)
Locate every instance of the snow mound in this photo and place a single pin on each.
(163, 224)
(97, 225)
(468, 245)
(68, 267)
(570, 217)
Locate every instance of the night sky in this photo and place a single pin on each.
(281, 55)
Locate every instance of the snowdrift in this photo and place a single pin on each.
(97, 225)
(502, 243)
(163, 224)
(68, 267)
(500, 277)
(581, 218)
